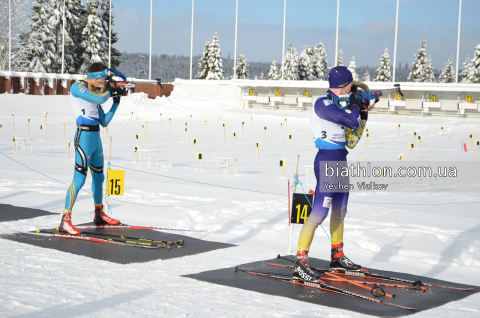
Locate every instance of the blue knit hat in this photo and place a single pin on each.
(339, 77)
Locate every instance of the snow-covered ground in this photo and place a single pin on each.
(435, 235)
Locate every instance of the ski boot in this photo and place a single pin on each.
(340, 262)
(301, 270)
(101, 218)
(66, 226)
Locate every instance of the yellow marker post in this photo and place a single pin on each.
(283, 163)
(138, 140)
(258, 150)
(131, 117)
(243, 123)
(41, 130)
(63, 129)
(401, 157)
(478, 143)
(289, 138)
(170, 127)
(68, 145)
(137, 124)
(14, 143)
(115, 182)
(190, 120)
(194, 142)
(251, 119)
(186, 136)
(411, 148)
(471, 140)
(206, 124)
(143, 129)
(13, 122)
(281, 128)
(366, 140)
(235, 135)
(198, 156)
(442, 132)
(45, 127)
(414, 134)
(224, 126)
(420, 140)
(0, 130)
(28, 120)
(264, 134)
(286, 126)
(137, 150)
(398, 126)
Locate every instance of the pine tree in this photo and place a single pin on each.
(366, 77)
(305, 69)
(74, 11)
(242, 67)
(383, 71)
(448, 73)
(465, 70)
(262, 76)
(93, 36)
(273, 72)
(40, 43)
(418, 70)
(429, 75)
(215, 65)
(474, 73)
(339, 58)
(291, 64)
(352, 67)
(203, 62)
(318, 57)
(114, 53)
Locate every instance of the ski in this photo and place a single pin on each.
(319, 285)
(177, 243)
(339, 279)
(132, 227)
(365, 273)
(108, 240)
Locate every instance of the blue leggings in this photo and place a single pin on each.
(88, 153)
(324, 200)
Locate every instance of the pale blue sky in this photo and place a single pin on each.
(365, 27)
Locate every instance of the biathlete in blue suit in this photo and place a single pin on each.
(86, 97)
(333, 128)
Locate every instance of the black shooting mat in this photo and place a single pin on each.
(120, 254)
(14, 213)
(433, 297)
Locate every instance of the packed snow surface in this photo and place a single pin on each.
(435, 235)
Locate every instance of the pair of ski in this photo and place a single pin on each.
(376, 290)
(114, 239)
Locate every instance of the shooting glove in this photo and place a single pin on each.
(115, 93)
(361, 105)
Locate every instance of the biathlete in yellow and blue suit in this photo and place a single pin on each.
(334, 128)
(86, 97)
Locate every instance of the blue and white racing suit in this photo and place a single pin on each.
(88, 145)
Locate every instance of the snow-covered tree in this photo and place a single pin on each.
(418, 70)
(262, 76)
(305, 69)
(465, 70)
(339, 58)
(291, 64)
(114, 53)
(215, 65)
(429, 76)
(448, 72)
(18, 14)
(318, 57)
(40, 39)
(474, 73)
(352, 67)
(93, 36)
(242, 67)
(273, 72)
(74, 23)
(383, 71)
(203, 61)
(366, 76)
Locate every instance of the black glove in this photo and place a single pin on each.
(361, 105)
(115, 93)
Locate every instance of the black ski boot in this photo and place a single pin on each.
(340, 262)
(301, 270)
